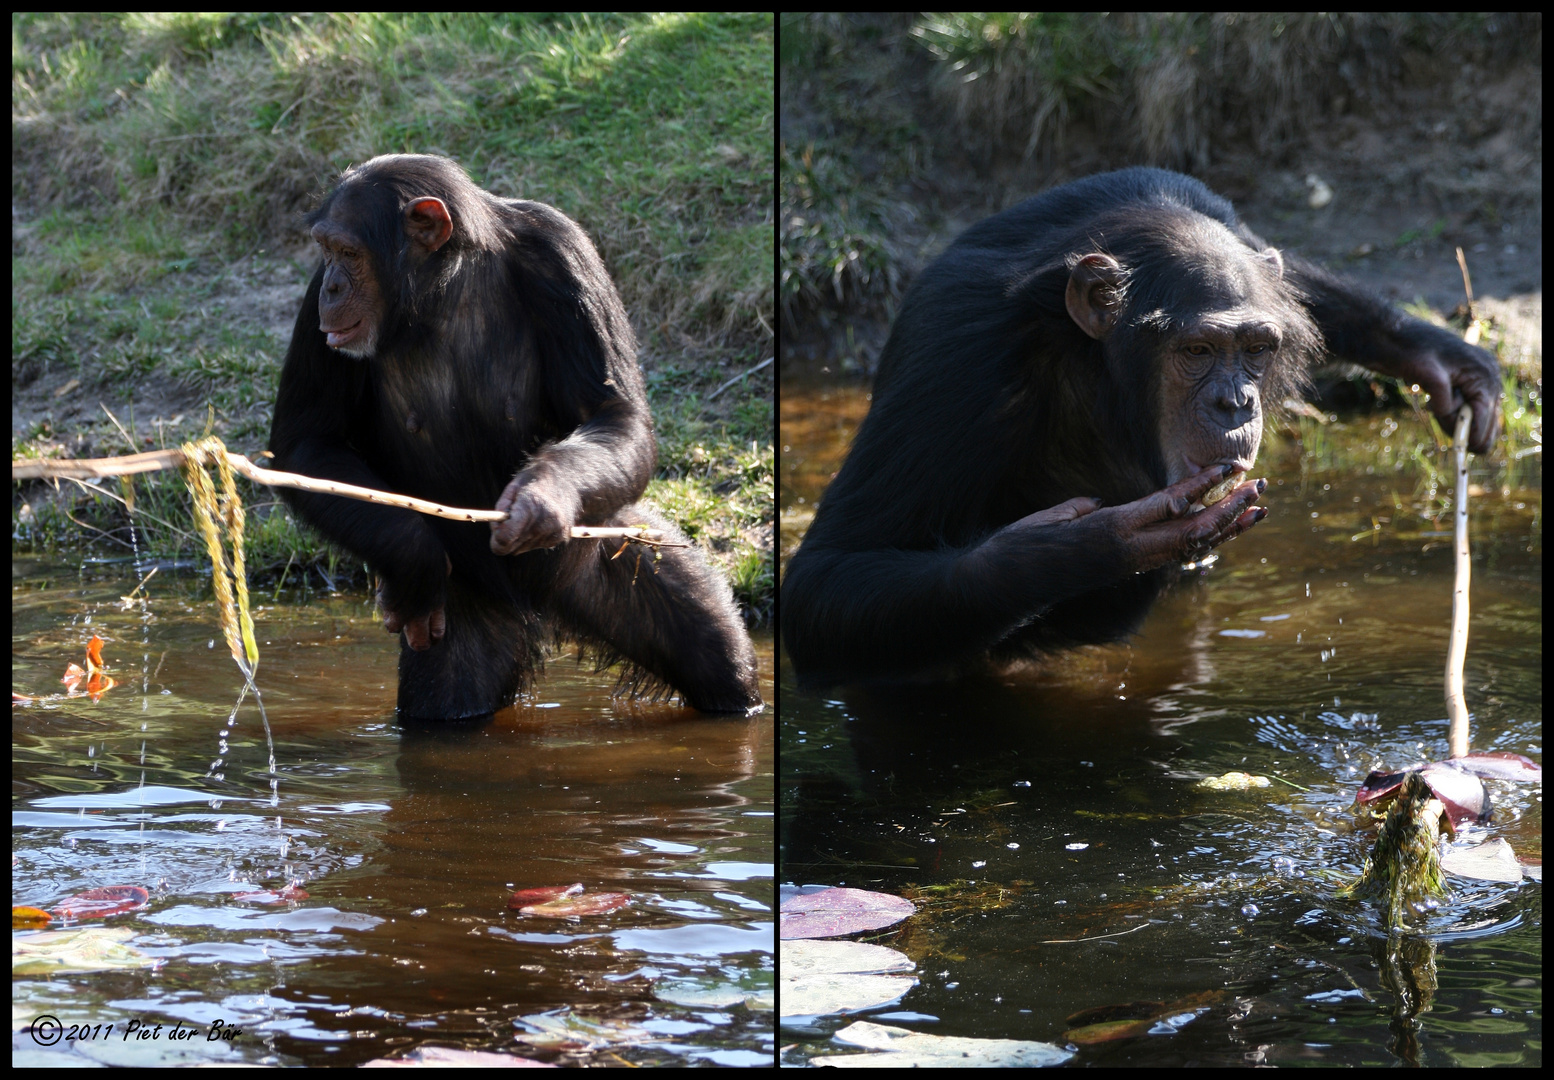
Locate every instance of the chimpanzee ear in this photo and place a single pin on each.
(1271, 255)
(428, 223)
(1094, 295)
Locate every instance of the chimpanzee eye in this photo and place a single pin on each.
(1198, 349)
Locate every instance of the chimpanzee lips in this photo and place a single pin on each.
(337, 338)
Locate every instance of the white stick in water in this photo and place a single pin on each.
(1457, 651)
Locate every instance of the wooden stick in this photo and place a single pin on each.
(1457, 651)
(154, 460)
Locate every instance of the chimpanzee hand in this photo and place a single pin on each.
(423, 622)
(538, 516)
(1161, 528)
(1451, 371)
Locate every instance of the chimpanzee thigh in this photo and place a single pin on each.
(489, 651)
(665, 611)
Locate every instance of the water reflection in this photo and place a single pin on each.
(407, 846)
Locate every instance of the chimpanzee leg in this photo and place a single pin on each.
(666, 611)
(486, 657)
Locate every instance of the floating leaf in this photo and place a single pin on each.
(836, 912)
(836, 957)
(913, 1049)
(575, 907)
(1233, 781)
(100, 903)
(29, 918)
(93, 948)
(1492, 860)
(545, 893)
(1462, 793)
(821, 978)
(563, 1029)
(1499, 765)
(753, 991)
(1455, 782)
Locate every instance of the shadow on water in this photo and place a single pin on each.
(408, 847)
(1029, 809)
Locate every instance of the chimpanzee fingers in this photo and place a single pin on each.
(420, 632)
(508, 535)
(1486, 415)
(1174, 502)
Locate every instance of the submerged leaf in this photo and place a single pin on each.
(575, 907)
(100, 903)
(525, 897)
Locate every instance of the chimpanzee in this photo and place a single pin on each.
(472, 350)
(1061, 389)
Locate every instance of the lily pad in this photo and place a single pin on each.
(838, 912)
(1492, 860)
(92, 948)
(904, 1049)
(837, 957)
(822, 978)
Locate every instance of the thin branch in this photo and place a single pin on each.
(155, 460)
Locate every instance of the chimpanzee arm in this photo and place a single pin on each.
(319, 402)
(893, 611)
(592, 382)
(1365, 330)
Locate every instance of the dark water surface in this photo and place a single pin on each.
(407, 847)
(1056, 803)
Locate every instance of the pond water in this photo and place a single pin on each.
(1047, 822)
(407, 847)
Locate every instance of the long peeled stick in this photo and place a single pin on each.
(1457, 651)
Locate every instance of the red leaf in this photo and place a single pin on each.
(528, 897)
(100, 903)
(1464, 794)
(835, 912)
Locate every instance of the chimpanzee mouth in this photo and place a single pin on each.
(336, 338)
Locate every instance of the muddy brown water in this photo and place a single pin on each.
(408, 848)
(1029, 812)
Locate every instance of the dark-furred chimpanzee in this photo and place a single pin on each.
(1061, 389)
(472, 350)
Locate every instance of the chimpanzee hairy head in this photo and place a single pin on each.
(394, 232)
(1203, 328)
